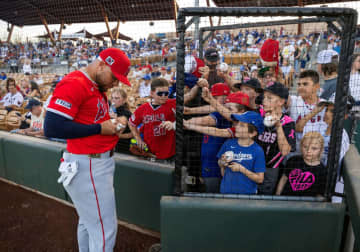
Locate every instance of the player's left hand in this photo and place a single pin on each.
(108, 128)
(167, 125)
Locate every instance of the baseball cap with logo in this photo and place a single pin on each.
(118, 62)
(326, 56)
(211, 55)
(219, 89)
(239, 98)
(278, 89)
(250, 117)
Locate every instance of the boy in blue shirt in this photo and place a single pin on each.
(241, 159)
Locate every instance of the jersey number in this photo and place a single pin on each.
(159, 131)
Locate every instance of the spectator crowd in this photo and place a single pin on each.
(260, 127)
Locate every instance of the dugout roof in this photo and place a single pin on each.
(273, 3)
(29, 12)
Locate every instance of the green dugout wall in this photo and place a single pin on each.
(139, 185)
(195, 224)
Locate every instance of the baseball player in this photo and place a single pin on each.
(79, 112)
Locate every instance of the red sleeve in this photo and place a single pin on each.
(137, 117)
(67, 98)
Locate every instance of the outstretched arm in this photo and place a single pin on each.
(224, 111)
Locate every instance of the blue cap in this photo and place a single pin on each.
(32, 103)
(146, 77)
(252, 118)
(168, 69)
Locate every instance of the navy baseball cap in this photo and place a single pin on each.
(277, 89)
(211, 55)
(250, 117)
(32, 103)
(253, 83)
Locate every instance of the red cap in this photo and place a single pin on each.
(163, 68)
(239, 98)
(118, 62)
(220, 89)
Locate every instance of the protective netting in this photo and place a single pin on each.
(242, 71)
(271, 86)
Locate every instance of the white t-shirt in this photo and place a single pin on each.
(286, 70)
(16, 99)
(27, 68)
(37, 122)
(144, 90)
(287, 51)
(354, 85)
(298, 110)
(250, 39)
(168, 77)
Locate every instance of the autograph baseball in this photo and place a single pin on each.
(269, 121)
(229, 155)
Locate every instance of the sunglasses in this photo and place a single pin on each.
(162, 93)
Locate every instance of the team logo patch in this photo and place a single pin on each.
(63, 103)
(101, 111)
(109, 60)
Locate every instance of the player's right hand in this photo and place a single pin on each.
(108, 128)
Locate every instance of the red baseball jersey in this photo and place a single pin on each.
(160, 141)
(78, 98)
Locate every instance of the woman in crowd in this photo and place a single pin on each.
(34, 90)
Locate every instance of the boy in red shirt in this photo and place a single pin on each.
(153, 115)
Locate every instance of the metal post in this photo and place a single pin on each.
(342, 89)
(201, 44)
(180, 62)
(197, 22)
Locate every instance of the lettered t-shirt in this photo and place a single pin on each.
(268, 141)
(303, 179)
(251, 157)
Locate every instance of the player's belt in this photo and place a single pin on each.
(102, 155)
(95, 155)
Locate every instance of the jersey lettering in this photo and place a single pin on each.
(268, 137)
(63, 103)
(300, 180)
(154, 118)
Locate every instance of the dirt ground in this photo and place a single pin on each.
(31, 222)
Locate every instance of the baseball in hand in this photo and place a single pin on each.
(223, 67)
(269, 121)
(229, 156)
